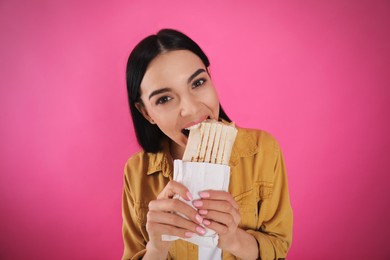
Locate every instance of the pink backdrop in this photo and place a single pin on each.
(313, 73)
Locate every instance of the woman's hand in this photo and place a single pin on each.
(220, 213)
(162, 221)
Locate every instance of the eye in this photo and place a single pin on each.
(163, 100)
(198, 83)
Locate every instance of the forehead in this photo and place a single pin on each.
(171, 66)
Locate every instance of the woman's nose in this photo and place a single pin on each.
(190, 106)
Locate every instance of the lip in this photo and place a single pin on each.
(200, 120)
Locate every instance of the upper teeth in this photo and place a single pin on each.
(193, 126)
(197, 125)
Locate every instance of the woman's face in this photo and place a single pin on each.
(177, 92)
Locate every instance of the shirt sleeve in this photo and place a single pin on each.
(133, 239)
(275, 235)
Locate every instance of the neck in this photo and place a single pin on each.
(176, 150)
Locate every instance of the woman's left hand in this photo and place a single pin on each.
(220, 213)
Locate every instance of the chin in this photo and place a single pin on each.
(184, 143)
(181, 141)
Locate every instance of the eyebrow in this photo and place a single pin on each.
(159, 91)
(163, 90)
(194, 75)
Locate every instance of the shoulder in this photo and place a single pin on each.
(136, 159)
(145, 175)
(138, 162)
(142, 164)
(256, 139)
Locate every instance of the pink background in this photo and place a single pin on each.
(315, 74)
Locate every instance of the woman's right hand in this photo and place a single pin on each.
(162, 221)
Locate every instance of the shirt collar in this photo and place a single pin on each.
(161, 161)
(245, 145)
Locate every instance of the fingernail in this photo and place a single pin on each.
(189, 234)
(206, 222)
(204, 194)
(201, 230)
(203, 211)
(189, 196)
(199, 218)
(198, 203)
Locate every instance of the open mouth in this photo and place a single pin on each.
(186, 132)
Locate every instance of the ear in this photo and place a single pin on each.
(141, 108)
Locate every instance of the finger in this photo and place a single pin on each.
(175, 220)
(218, 195)
(157, 229)
(175, 205)
(217, 205)
(216, 226)
(229, 220)
(173, 188)
(212, 208)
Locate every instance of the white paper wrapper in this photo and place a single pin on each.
(198, 177)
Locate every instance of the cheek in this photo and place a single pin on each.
(214, 102)
(165, 121)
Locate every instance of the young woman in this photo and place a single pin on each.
(169, 89)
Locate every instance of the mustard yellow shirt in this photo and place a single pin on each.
(258, 183)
